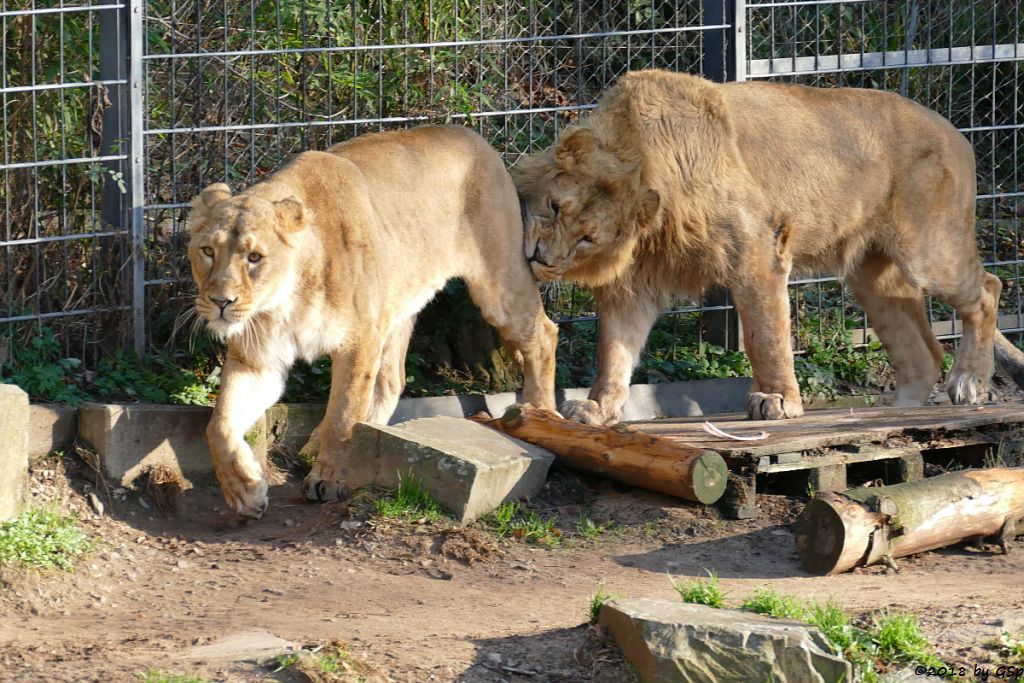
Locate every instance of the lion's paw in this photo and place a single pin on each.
(247, 496)
(761, 406)
(588, 412)
(323, 485)
(963, 389)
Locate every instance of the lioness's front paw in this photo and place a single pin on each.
(246, 492)
(588, 412)
(323, 484)
(963, 389)
(761, 406)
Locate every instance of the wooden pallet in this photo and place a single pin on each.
(824, 443)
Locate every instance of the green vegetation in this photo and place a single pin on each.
(158, 676)
(890, 636)
(511, 519)
(40, 538)
(590, 530)
(1011, 648)
(330, 664)
(701, 592)
(597, 601)
(410, 501)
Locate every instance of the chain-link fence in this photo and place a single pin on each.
(116, 114)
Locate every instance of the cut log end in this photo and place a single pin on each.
(820, 537)
(708, 476)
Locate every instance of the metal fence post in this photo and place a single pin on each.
(722, 62)
(136, 39)
(113, 102)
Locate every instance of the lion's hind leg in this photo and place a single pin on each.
(895, 310)
(969, 379)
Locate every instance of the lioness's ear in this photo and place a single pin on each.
(574, 147)
(290, 214)
(204, 203)
(645, 212)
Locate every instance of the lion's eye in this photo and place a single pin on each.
(207, 252)
(554, 208)
(254, 257)
(587, 238)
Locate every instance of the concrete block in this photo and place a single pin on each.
(432, 406)
(51, 428)
(289, 425)
(468, 468)
(130, 439)
(14, 422)
(675, 642)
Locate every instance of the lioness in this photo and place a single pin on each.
(674, 183)
(336, 253)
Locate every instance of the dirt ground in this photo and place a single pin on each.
(422, 602)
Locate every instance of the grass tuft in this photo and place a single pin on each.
(41, 538)
(597, 601)
(773, 604)
(701, 592)
(510, 519)
(157, 676)
(409, 501)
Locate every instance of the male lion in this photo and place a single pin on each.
(336, 253)
(674, 183)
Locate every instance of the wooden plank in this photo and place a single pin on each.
(825, 429)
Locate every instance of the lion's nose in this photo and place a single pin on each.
(223, 303)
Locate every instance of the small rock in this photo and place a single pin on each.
(350, 525)
(492, 659)
(289, 522)
(182, 564)
(143, 503)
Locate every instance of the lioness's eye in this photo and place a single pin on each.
(554, 209)
(207, 251)
(587, 238)
(254, 257)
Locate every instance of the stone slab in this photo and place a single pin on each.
(655, 401)
(14, 495)
(468, 468)
(676, 642)
(132, 438)
(51, 428)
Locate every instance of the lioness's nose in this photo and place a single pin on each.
(223, 303)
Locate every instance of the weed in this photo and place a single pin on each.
(899, 639)
(501, 518)
(771, 603)
(283, 661)
(510, 519)
(597, 601)
(409, 501)
(40, 538)
(1011, 648)
(157, 676)
(331, 663)
(530, 527)
(589, 529)
(701, 592)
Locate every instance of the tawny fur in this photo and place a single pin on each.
(336, 253)
(674, 183)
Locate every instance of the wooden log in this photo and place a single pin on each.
(839, 531)
(619, 453)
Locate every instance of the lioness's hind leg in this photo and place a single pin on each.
(391, 376)
(895, 310)
(514, 307)
(969, 379)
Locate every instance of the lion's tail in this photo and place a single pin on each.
(1009, 358)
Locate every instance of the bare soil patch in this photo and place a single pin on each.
(418, 602)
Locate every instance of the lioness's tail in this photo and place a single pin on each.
(1009, 358)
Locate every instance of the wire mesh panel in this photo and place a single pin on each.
(62, 179)
(235, 88)
(962, 60)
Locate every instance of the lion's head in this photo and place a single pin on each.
(242, 254)
(586, 209)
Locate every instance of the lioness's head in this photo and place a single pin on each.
(242, 255)
(586, 208)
